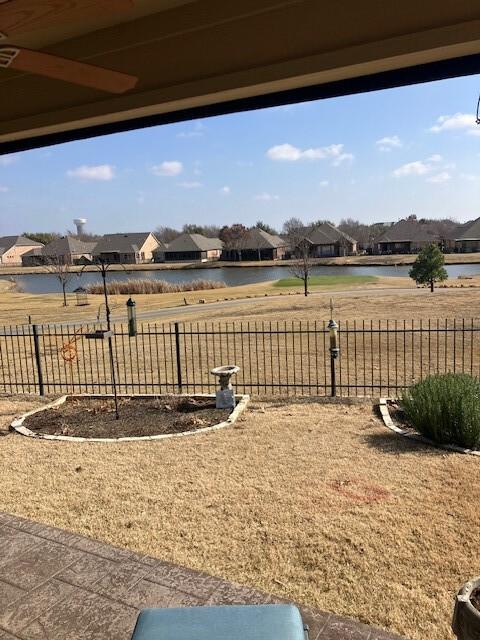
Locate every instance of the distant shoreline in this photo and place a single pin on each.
(361, 261)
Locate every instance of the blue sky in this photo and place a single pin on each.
(377, 156)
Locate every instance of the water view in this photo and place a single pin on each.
(231, 276)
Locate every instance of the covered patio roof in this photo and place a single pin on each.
(206, 57)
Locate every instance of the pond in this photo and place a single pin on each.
(231, 276)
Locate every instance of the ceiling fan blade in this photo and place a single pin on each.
(22, 16)
(45, 64)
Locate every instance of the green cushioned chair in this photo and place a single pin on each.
(259, 622)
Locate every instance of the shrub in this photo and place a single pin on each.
(446, 409)
(138, 285)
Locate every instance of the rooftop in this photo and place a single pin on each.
(193, 242)
(121, 242)
(259, 239)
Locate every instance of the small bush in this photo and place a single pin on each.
(138, 285)
(446, 409)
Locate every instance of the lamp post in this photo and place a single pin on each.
(334, 349)
(132, 318)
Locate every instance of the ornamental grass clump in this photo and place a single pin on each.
(446, 409)
(139, 286)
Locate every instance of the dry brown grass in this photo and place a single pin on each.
(261, 299)
(214, 334)
(319, 503)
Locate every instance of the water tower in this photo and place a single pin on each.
(80, 224)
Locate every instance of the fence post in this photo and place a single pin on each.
(334, 351)
(38, 360)
(177, 352)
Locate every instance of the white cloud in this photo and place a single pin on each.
(197, 131)
(8, 159)
(418, 167)
(324, 183)
(471, 177)
(438, 178)
(458, 122)
(101, 172)
(190, 185)
(288, 153)
(388, 143)
(266, 197)
(3, 188)
(225, 190)
(167, 168)
(343, 157)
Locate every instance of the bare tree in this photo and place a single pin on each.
(302, 266)
(166, 234)
(62, 271)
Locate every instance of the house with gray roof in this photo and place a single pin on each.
(327, 241)
(66, 250)
(468, 240)
(411, 235)
(126, 248)
(257, 244)
(12, 248)
(190, 247)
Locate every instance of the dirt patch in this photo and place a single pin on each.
(359, 491)
(475, 598)
(95, 418)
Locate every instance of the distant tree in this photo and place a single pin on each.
(208, 230)
(62, 271)
(265, 227)
(294, 230)
(233, 238)
(166, 234)
(42, 236)
(428, 267)
(302, 266)
(319, 222)
(84, 237)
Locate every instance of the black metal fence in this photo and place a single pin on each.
(288, 358)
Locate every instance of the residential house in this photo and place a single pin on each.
(327, 241)
(66, 250)
(468, 238)
(257, 244)
(191, 247)
(12, 248)
(411, 235)
(126, 248)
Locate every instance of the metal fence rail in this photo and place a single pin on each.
(376, 357)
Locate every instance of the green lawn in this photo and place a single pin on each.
(325, 281)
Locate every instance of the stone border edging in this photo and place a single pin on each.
(17, 424)
(388, 422)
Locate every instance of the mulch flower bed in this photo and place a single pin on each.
(95, 417)
(398, 417)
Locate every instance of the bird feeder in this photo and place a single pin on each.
(225, 396)
(82, 296)
(132, 318)
(333, 331)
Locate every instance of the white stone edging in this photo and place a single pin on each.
(17, 424)
(388, 422)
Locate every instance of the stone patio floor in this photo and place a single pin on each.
(56, 585)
